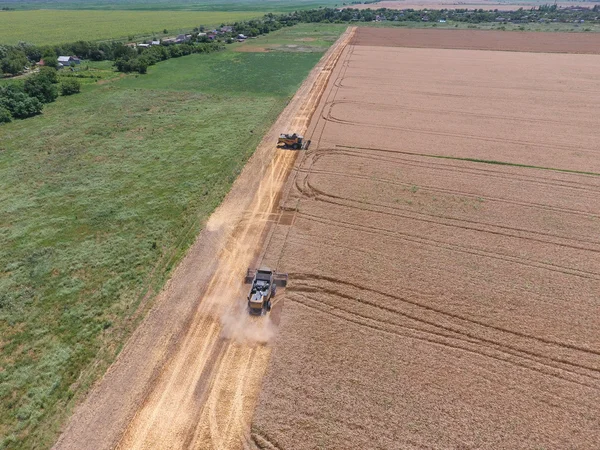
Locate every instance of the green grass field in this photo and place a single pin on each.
(55, 27)
(99, 199)
(304, 37)
(176, 5)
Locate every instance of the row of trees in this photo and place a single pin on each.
(542, 13)
(140, 60)
(14, 59)
(19, 100)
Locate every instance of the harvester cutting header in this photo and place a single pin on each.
(294, 141)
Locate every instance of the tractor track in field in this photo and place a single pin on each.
(456, 326)
(328, 116)
(449, 221)
(194, 384)
(449, 246)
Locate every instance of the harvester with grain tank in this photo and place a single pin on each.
(294, 141)
(264, 286)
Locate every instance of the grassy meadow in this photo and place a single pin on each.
(99, 199)
(55, 27)
(176, 5)
(304, 37)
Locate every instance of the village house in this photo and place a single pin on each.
(67, 60)
(183, 38)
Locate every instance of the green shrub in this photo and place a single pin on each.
(70, 87)
(49, 73)
(41, 87)
(14, 99)
(5, 115)
(50, 59)
(13, 63)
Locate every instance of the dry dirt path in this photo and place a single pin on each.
(190, 375)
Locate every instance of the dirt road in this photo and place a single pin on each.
(190, 375)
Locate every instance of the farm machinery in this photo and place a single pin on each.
(264, 285)
(294, 141)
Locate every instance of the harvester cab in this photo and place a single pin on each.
(294, 141)
(264, 286)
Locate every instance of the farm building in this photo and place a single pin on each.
(183, 38)
(67, 60)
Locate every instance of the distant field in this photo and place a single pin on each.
(202, 5)
(99, 198)
(498, 26)
(473, 4)
(55, 27)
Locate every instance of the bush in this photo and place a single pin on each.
(50, 59)
(5, 115)
(14, 63)
(39, 86)
(50, 74)
(70, 87)
(18, 103)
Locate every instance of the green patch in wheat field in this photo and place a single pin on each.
(100, 197)
(46, 27)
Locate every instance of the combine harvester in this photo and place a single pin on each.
(264, 285)
(294, 141)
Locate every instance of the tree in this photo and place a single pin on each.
(50, 59)
(20, 105)
(142, 64)
(49, 73)
(32, 52)
(27, 107)
(70, 87)
(40, 87)
(14, 62)
(5, 115)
